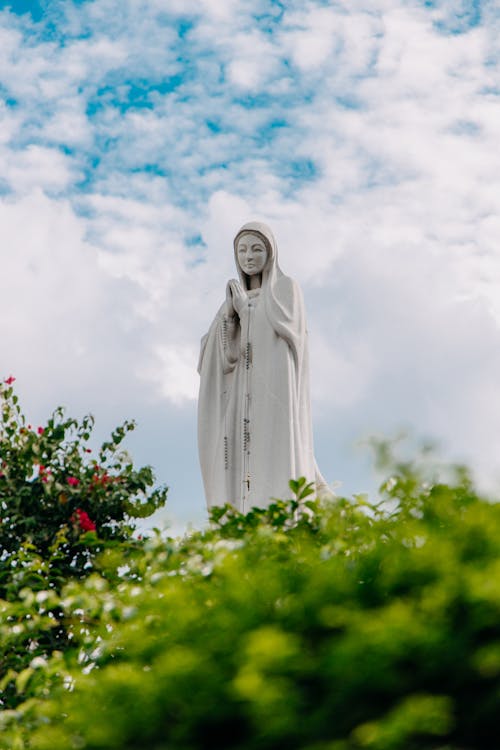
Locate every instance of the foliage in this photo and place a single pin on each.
(308, 625)
(338, 625)
(60, 508)
(57, 499)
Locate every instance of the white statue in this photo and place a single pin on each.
(254, 418)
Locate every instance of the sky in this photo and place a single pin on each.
(137, 136)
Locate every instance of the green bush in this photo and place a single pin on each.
(319, 626)
(60, 508)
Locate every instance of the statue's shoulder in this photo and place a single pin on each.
(288, 288)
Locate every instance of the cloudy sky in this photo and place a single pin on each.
(136, 137)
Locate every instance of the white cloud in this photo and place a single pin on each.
(9, 123)
(174, 372)
(50, 290)
(37, 167)
(253, 58)
(312, 35)
(68, 125)
(341, 375)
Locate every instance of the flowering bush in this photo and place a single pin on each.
(61, 506)
(60, 501)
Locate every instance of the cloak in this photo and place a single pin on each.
(254, 417)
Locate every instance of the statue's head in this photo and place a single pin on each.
(256, 236)
(252, 252)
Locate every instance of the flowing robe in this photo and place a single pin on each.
(254, 420)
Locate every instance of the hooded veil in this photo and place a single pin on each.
(254, 417)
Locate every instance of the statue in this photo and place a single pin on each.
(254, 418)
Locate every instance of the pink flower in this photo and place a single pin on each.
(9, 380)
(73, 481)
(40, 430)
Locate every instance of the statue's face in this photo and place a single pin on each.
(251, 252)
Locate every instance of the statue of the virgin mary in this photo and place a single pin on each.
(254, 417)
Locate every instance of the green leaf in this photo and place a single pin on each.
(23, 678)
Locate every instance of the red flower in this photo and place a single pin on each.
(40, 430)
(73, 481)
(86, 523)
(103, 480)
(9, 380)
(44, 473)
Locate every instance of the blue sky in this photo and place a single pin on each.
(136, 137)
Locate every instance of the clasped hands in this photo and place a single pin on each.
(236, 298)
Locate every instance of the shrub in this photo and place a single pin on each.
(61, 506)
(312, 625)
